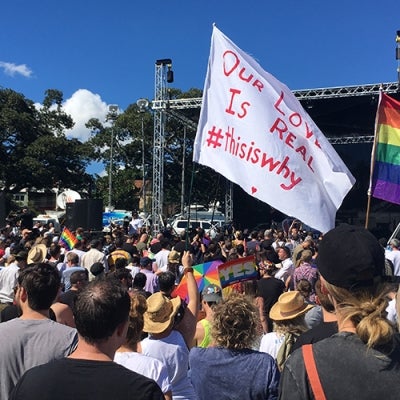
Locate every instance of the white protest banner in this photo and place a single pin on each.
(254, 131)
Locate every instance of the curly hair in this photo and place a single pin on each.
(366, 309)
(304, 287)
(235, 322)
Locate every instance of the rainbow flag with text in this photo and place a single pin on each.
(385, 181)
(67, 239)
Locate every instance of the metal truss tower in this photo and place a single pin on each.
(162, 106)
(162, 69)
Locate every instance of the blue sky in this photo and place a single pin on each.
(99, 53)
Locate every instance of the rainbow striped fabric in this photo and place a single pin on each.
(385, 184)
(67, 239)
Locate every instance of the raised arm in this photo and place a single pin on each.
(187, 327)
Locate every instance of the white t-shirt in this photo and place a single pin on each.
(394, 257)
(172, 352)
(162, 260)
(286, 270)
(147, 366)
(135, 225)
(271, 343)
(391, 311)
(8, 281)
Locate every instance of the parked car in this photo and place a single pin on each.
(181, 225)
(45, 219)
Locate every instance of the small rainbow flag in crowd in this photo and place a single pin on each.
(385, 163)
(67, 239)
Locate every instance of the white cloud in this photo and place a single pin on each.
(12, 69)
(82, 106)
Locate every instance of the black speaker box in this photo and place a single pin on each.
(69, 216)
(95, 214)
(86, 214)
(80, 213)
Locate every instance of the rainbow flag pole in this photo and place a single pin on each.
(67, 239)
(385, 156)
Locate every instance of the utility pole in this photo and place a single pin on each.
(111, 116)
(143, 104)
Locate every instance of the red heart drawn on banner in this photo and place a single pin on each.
(253, 190)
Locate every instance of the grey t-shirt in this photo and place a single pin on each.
(27, 343)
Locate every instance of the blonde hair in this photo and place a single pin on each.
(235, 322)
(366, 309)
(296, 326)
(136, 320)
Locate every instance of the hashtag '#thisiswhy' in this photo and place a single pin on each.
(215, 137)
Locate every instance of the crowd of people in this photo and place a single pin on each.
(101, 320)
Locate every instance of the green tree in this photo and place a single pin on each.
(34, 151)
(128, 144)
(125, 133)
(202, 185)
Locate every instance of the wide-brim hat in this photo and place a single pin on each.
(289, 305)
(37, 254)
(174, 257)
(160, 312)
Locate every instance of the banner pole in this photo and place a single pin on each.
(368, 209)
(372, 163)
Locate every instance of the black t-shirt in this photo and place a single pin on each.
(130, 248)
(10, 312)
(181, 246)
(13, 311)
(68, 298)
(269, 289)
(67, 379)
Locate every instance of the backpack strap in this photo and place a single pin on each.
(312, 372)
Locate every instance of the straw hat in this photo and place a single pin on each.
(289, 305)
(37, 254)
(160, 312)
(174, 257)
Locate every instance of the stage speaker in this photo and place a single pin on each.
(69, 216)
(81, 208)
(95, 214)
(86, 214)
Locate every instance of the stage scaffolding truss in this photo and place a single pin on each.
(162, 107)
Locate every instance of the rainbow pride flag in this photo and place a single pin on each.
(385, 181)
(67, 239)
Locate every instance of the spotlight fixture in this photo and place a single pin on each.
(170, 74)
(142, 104)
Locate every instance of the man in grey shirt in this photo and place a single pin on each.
(33, 338)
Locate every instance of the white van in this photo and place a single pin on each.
(180, 225)
(45, 219)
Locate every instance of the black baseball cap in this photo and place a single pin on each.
(350, 257)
